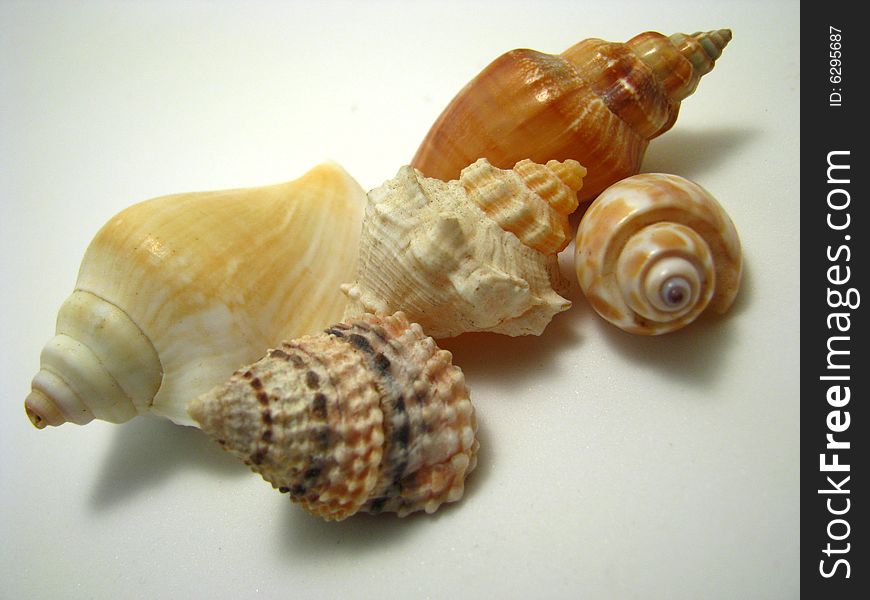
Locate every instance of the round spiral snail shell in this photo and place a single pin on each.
(653, 251)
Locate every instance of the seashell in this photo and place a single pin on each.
(368, 416)
(474, 254)
(175, 293)
(653, 251)
(598, 102)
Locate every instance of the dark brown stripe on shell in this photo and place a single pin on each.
(312, 380)
(321, 438)
(278, 353)
(309, 481)
(314, 469)
(382, 363)
(262, 450)
(376, 331)
(360, 342)
(294, 358)
(398, 430)
(258, 456)
(318, 406)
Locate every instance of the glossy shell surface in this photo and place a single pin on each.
(598, 102)
(654, 251)
(177, 292)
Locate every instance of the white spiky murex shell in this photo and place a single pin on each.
(368, 416)
(176, 292)
(475, 254)
(653, 251)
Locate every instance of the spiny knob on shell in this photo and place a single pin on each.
(369, 415)
(474, 254)
(598, 102)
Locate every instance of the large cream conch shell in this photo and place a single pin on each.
(598, 102)
(653, 251)
(475, 254)
(175, 293)
(368, 416)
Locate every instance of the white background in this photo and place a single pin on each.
(611, 466)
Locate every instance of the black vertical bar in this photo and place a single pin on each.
(834, 262)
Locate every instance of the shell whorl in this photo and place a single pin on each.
(531, 201)
(598, 102)
(644, 80)
(654, 251)
(368, 416)
(99, 365)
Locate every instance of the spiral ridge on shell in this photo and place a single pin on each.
(531, 201)
(367, 416)
(598, 102)
(654, 251)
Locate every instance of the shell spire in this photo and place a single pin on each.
(711, 42)
(531, 201)
(679, 65)
(368, 416)
(598, 102)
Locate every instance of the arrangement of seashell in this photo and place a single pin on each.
(175, 293)
(368, 416)
(598, 102)
(475, 254)
(654, 250)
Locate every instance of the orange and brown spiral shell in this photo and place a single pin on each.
(598, 103)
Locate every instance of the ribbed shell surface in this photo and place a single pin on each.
(368, 416)
(428, 249)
